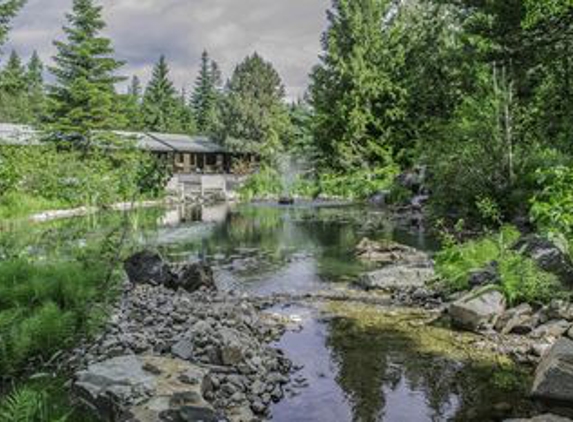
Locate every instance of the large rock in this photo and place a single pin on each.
(519, 320)
(194, 276)
(554, 376)
(396, 278)
(388, 252)
(145, 389)
(548, 256)
(150, 268)
(477, 310)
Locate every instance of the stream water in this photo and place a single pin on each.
(358, 363)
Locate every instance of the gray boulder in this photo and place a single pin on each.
(143, 389)
(560, 309)
(396, 277)
(551, 329)
(519, 320)
(484, 276)
(388, 252)
(548, 256)
(194, 276)
(477, 310)
(554, 376)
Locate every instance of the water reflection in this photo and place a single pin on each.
(265, 248)
(366, 366)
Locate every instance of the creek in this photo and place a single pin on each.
(358, 362)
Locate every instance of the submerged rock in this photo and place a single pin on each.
(144, 389)
(478, 309)
(554, 376)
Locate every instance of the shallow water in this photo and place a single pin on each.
(360, 364)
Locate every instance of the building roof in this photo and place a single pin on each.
(11, 134)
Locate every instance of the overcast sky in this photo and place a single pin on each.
(286, 32)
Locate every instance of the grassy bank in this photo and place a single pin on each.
(57, 282)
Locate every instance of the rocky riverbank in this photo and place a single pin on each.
(176, 348)
(540, 336)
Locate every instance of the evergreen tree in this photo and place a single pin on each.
(160, 103)
(14, 100)
(83, 101)
(206, 94)
(132, 105)
(359, 105)
(13, 78)
(8, 10)
(36, 87)
(253, 115)
(135, 88)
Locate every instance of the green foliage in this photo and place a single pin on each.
(34, 179)
(359, 105)
(162, 109)
(521, 279)
(359, 184)
(44, 307)
(8, 10)
(206, 95)
(83, 101)
(253, 116)
(552, 207)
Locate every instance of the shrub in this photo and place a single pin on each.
(552, 207)
(521, 279)
(456, 261)
(41, 177)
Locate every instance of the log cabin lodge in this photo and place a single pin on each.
(186, 154)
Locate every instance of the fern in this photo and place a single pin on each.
(25, 405)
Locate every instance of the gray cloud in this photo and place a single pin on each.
(286, 32)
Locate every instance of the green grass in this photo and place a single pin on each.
(17, 205)
(521, 279)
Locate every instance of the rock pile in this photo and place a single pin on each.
(161, 333)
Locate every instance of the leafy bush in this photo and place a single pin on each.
(67, 178)
(552, 207)
(521, 279)
(455, 261)
(359, 184)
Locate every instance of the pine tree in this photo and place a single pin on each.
(132, 105)
(253, 115)
(36, 87)
(14, 100)
(135, 88)
(358, 103)
(205, 95)
(8, 10)
(13, 78)
(160, 103)
(83, 101)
